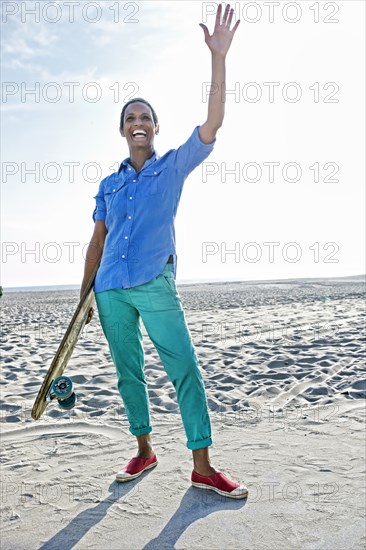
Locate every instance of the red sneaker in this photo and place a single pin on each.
(220, 483)
(135, 467)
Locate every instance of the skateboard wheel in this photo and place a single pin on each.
(62, 387)
(68, 403)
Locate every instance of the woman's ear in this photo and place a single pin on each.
(122, 132)
(157, 129)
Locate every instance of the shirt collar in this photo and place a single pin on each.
(125, 163)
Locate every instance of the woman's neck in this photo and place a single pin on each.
(139, 157)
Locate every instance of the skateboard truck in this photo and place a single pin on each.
(62, 390)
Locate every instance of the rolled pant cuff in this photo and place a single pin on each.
(201, 444)
(141, 431)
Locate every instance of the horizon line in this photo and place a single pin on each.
(72, 286)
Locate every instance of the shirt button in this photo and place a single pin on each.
(130, 198)
(126, 237)
(129, 168)
(129, 217)
(113, 190)
(155, 173)
(123, 255)
(133, 181)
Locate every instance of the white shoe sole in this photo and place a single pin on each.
(242, 494)
(133, 476)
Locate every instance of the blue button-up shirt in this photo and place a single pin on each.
(138, 209)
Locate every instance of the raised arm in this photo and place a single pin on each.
(219, 44)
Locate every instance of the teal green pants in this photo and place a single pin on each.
(158, 304)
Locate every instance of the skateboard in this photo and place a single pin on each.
(55, 385)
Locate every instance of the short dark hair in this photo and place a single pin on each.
(137, 100)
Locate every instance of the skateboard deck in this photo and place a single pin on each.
(65, 349)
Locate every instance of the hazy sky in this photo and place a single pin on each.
(281, 195)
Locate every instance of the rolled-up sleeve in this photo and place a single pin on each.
(100, 210)
(189, 155)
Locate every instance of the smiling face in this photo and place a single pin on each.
(138, 127)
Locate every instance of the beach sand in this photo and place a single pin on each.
(283, 367)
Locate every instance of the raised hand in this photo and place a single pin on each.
(219, 42)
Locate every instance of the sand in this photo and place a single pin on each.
(283, 366)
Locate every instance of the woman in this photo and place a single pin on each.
(134, 237)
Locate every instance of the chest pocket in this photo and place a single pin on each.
(152, 182)
(111, 191)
